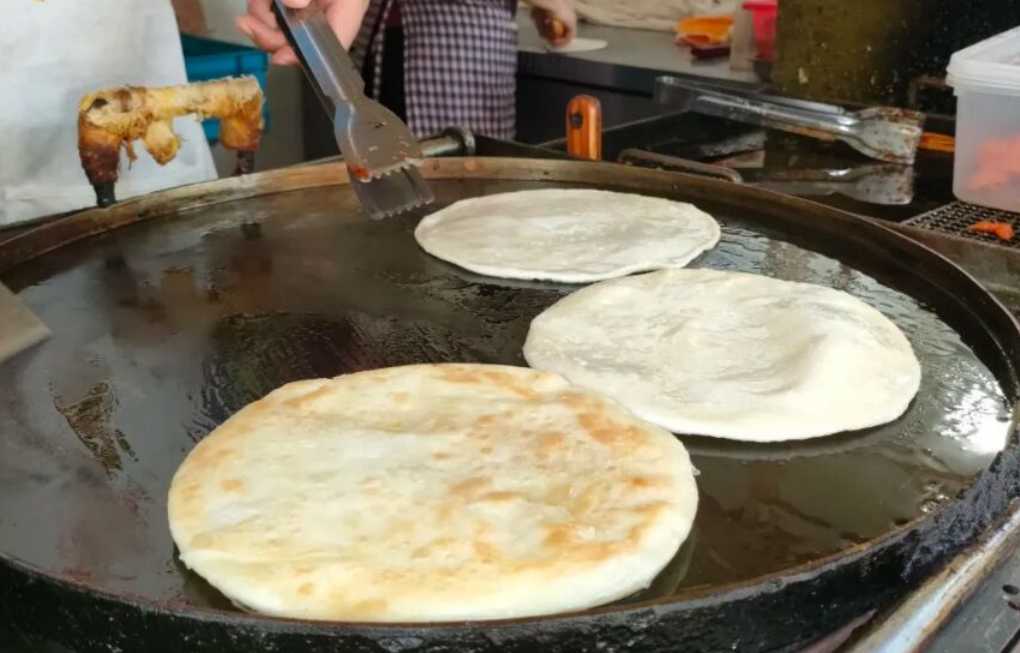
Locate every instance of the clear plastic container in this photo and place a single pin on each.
(986, 79)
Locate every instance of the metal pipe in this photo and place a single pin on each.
(452, 142)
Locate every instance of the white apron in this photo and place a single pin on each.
(51, 54)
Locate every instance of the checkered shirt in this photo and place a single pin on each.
(460, 62)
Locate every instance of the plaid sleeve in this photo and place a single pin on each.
(370, 23)
(460, 62)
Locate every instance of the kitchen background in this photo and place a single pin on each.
(868, 51)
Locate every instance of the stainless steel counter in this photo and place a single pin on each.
(629, 62)
(621, 75)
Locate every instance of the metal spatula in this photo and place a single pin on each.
(883, 133)
(19, 326)
(380, 151)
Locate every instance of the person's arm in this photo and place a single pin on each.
(556, 20)
(259, 24)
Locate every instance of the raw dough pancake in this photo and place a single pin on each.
(567, 235)
(432, 492)
(731, 355)
(578, 44)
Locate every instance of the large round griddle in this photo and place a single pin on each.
(173, 311)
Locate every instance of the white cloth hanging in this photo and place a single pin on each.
(52, 53)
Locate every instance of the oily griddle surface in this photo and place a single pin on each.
(165, 328)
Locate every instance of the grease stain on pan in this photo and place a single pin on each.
(251, 355)
(90, 418)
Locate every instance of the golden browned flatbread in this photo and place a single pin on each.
(432, 492)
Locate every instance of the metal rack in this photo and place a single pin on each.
(954, 220)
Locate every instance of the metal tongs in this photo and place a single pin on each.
(381, 154)
(883, 133)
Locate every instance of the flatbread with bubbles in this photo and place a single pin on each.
(730, 354)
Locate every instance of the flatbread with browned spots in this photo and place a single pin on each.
(431, 493)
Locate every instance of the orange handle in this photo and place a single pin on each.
(551, 28)
(938, 142)
(584, 128)
(557, 29)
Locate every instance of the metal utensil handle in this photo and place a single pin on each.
(455, 141)
(328, 66)
(665, 86)
(633, 155)
(768, 114)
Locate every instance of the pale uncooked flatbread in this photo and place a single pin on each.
(567, 235)
(661, 15)
(431, 492)
(731, 355)
(578, 44)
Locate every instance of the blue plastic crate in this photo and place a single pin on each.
(206, 59)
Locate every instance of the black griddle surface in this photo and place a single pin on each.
(165, 328)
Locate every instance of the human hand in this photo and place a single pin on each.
(260, 25)
(555, 19)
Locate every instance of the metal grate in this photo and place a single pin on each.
(955, 218)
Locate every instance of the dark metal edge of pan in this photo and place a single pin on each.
(870, 575)
(872, 578)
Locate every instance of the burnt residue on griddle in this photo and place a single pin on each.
(252, 355)
(90, 418)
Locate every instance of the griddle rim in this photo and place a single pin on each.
(990, 494)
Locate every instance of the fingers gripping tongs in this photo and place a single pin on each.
(381, 154)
